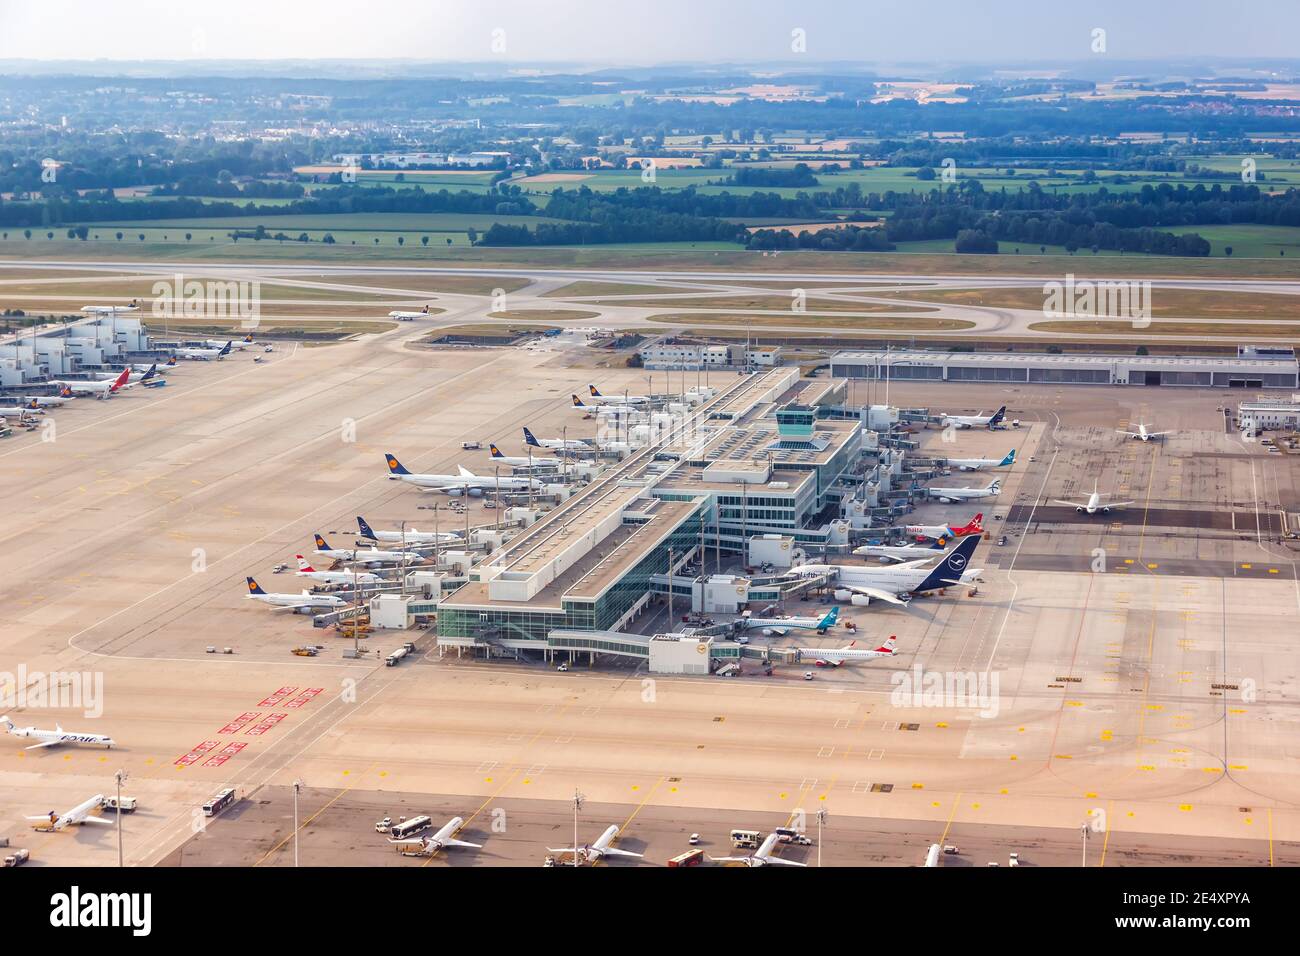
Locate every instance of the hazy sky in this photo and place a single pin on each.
(642, 31)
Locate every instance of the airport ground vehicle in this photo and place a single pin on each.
(384, 825)
(127, 805)
(410, 827)
(471, 445)
(395, 658)
(951, 849)
(808, 675)
(18, 858)
(694, 839)
(790, 835)
(689, 858)
(726, 670)
(218, 803)
(745, 839)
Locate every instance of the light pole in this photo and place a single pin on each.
(297, 785)
(1083, 829)
(577, 805)
(119, 776)
(821, 819)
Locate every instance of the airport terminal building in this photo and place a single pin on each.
(1251, 368)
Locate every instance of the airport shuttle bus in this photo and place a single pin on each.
(410, 828)
(218, 803)
(745, 839)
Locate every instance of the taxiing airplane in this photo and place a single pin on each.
(601, 848)
(440, 840)
(110, 309)
(1094, 502)
(950, 495)
(896, 584)
(411, 537)
(205, 354)
(835, 656)
(401, 316)
(294, 602)
(555, 444)
(978, 464)
(305, 570)
(1142, 434)
(973, 421)
(367, 556)
(760, 857)
(81, 813)
(944, 533)
(783, 625)
(464, 481)
(100, 389)
(56, 737)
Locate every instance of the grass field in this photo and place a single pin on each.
(771, 303)
(1180, 303)
(812, 322)
(1284, 333)
(544, 315)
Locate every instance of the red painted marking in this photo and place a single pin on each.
(196, 753)
(278, 696)
(239, 722)
(305, 697)
(270, 721)
(224, 754)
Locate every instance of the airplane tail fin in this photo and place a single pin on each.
(594, 392)
(531, 439)
(577, 402)
(1010, 459)
(321, 543)
(889, 645)
(951, 568)
(829, 619)
(171, 360)
(998, 415)
(975, 525)
(248, 339)
(254, 587)
(121, 380)
(302, 563)
(8, 724)
(496, 452)
(366, 531)
(465, 472)
(225, 349)
(995, 486)
(153, 370)
(395, 466)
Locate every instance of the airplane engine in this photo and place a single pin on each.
(1105, 510)
(476, 492)
(859, 600)
(1079, 510)
(842, 594)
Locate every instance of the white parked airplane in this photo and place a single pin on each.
(440, 840)
(595, 398)
(973, 421)
(943, 532)
(78, 814)
(46, 401)
(204, 354)
(53, 738)
(305, 570)
(978, 464)
(604, 409)
(1142, 434)
(294, 602)
(888, 553)
(835, 656)
(134, 374)
(464, 481)
(761, 857)
(411, 537)
(367, 556)
(522, 461)
(401, 316)
(100, 389)
(896, 584)
(20, 412)
(783, 625)
(239, 345)
(1094, 503)
(555, 444)
(950, 495)
(110, 309)
(601, 848)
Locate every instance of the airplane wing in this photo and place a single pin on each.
(1158, 434)
(294, 607)
(96, 820)
(413, 841)
(48, 743)
(1119, 504)
(876, 594)
(43, 817)
(611, 851)
(781, 631)
(780, 862)
(728, 859)
(560, 849)
(1071, 504)
(450, 842)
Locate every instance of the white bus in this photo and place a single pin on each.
(409, 828)
(745, 839)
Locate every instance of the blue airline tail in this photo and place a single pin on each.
(365, 529)
(829, 619)
(225, 349)
(1009, 460)
(394, 466)
(530, 438)
(254, 587)
(950, 569)
(496, 452)
(321, 544)
(997, 416)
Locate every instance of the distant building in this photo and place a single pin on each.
(694, 355)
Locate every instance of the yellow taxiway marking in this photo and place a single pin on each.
(304, 823)
(951, 813)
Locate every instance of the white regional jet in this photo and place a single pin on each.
(440, 840)
(555, 444)
(761, 857)
(411, 536)
(78, 814)
(370, 556)
(894, 585)
(53, 738)
(305, 570)
(783, 625)
(600, 848)
(293, 602)
(464, 481)
(401, 316)
(973, 421)
(1142, 434)
(204, 354)
(835, 656)
(110, 309)
(890, 553)
(978, 464)
(965, 494)
(1093, 504)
